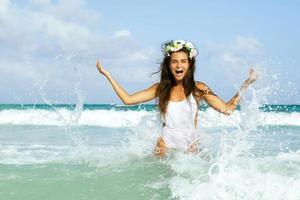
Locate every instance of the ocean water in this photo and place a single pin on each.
(106, 152)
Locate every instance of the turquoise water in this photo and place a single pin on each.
(148, 107)
(105, 152)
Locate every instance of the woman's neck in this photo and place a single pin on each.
(178, 88)
(178, 84)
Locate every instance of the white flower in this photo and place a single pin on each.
(168, 48)
(177, 46)
(193, 53)
(181, 42)
(174, 48)
(189, 45)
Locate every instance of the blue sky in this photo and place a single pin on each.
(48, 48)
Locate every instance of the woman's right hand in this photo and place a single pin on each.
(100, 69)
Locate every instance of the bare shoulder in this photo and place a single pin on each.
(202, 86)
(155, 84)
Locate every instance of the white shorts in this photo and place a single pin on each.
(179, 138)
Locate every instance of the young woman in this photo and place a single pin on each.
(178, 96)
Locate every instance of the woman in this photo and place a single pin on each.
(178, 96)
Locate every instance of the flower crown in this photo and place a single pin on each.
(176, 45)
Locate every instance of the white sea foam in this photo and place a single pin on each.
(113, 118)
(234, 177)
(63, 117)
(32, 154)
(100, 156)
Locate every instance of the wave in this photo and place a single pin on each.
(130, 118)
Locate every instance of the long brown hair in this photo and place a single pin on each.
(167, 81)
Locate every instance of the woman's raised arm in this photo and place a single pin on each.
(129, 99)
(226, 107)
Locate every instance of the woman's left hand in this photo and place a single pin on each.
(252, 76)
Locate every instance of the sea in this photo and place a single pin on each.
(105, 151)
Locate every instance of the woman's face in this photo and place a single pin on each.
(179, 65)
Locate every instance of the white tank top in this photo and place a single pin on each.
(181, 114)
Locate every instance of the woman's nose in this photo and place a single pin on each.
(179, 65)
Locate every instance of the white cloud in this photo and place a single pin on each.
(248, 45)
(70, 11)
(4, 6)
(33, 37)
(234, 59)
(122, 33)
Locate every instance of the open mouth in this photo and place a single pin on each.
(179, 71)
